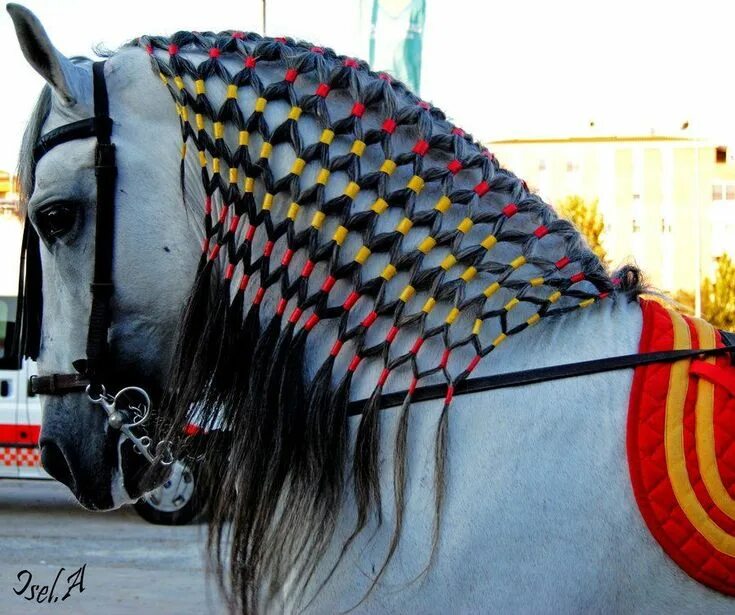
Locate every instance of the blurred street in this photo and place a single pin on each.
(131, 565)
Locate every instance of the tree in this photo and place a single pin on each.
(718, 296)
(586, 216)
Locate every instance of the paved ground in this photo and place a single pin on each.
(131, 566)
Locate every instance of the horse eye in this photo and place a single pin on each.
(56, 220)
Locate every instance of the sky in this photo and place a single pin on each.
(499, 69)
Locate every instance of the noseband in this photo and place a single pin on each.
(92, 370)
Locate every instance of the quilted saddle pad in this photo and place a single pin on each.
(681, 447)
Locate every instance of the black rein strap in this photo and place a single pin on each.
(542, 374)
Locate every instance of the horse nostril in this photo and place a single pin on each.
(54, 462)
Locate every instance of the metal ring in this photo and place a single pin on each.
(103, 393)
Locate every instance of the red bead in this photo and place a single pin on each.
(291, 75)
(234, 224)
(250, 233)
(215, 252)
(295, 315)
(149, 48)
(322, 90)
(391, 334)
(250, 62)
(281, 307)
(458, 131)
(311, 322)
(268, 248)
(421, 147)
(383, 376)
(358, 109)
(214, 52)
(510, 210)
(424, 105)
(244, 282)
(385, 77)
(280, 39)
(354, 363)
(541, 231)
(369, 319)
(445, 358)
(562, 262)
(449, 396)
(238, 35)
(577, 277)
(173, 49)
(482, 188)
(389, 125)
(417, 345)
(229, 270)
(308, 268)
(455, 166)
(287, 255)
(351, 300)
(328, 283)
(473, 364)
(351, 62)
(336, 348)
(319, 50)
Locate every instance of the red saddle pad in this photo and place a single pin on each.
(681, 447)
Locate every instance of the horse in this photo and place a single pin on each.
(298, 243)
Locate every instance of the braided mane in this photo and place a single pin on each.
(347, 217)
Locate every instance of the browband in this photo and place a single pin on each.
(83, 129)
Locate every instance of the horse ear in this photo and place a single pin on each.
(54, 67)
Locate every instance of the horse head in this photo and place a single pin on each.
(151, 255)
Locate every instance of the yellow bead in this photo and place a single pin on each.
(327, 136)
(536, 281)
(199, 86)
(500, 339)
(199, 121)
(163, 78)
(477, 327)
(448, 262)
(511, 304)
(267, 201)
(518, 261)
(404, 226)
(298, 166)
(407, 294)
(465, 225)
(534, 319)
(489, 242)
(469, 273)
(323, 177)
(416, 184)
(379, 206)
(231, 91)
(586, 302)
(491, 290)
(429, 305)
(339, 235)
(219, 130)
(389, 272)
(443, 204)
(352, 189)
(249, 184)
(452, 316)
(362, 254)
(265, 150)
(554, 297)
(244, 137)
(202, 159)
(318, 219)
(215, 165)
(295, 113)
(293, 211)
(260, 104)
(183, 150)
(179, 82)
(388, 167)
(427, 245)
(358, 147)
(233, 176)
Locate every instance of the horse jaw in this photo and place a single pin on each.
(69, 82)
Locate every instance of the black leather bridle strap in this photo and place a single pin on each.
(92, 368)
(102, 287)
(535, 376)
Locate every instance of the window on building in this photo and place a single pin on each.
(723, 191)
(721, 154)
(730, 192)
(716, 192)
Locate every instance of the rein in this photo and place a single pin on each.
(540, 374)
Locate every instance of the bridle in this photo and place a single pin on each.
(92, 370)
(124, 414)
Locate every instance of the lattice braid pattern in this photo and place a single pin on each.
(472, 259)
